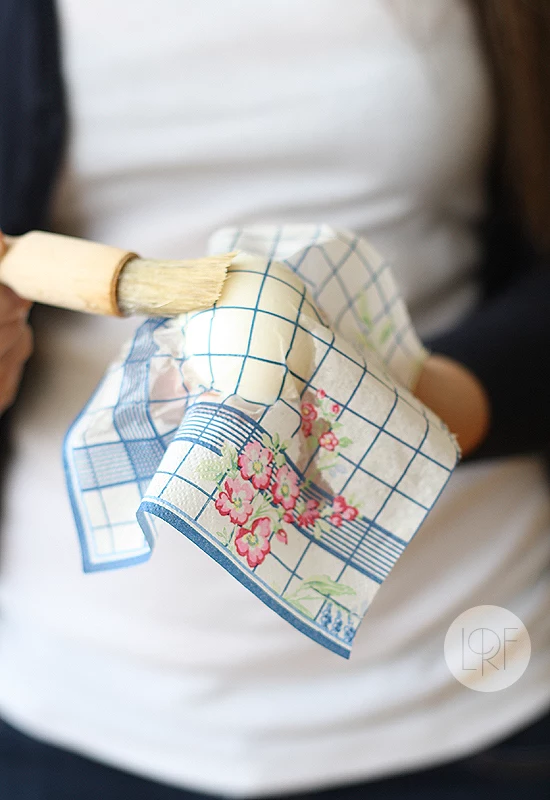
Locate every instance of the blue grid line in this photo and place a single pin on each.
(353, 299)
(344, 539)
(285, 319)
(361, 544)
(360, 468)
(350, 538)
(265, 593)
(255, 434)
(398, 439)
(385, 502)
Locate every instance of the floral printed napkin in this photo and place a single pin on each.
(275, 430)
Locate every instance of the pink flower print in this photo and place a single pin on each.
(321, 394)
(285, 489)
(308, 412)
(339, 504)
(328, 440)
(311, 513)
(335, 408)
(307, 427)
(336, 520)
(255, 465)
(350, 513)
(235, 502)
(282, 536)
(341, 509)
(288, 516)
(254, 543)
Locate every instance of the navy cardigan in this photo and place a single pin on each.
(505, 341)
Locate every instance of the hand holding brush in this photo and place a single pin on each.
(99, 279)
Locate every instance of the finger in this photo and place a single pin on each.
(12, 306)
(21, 347)
(9, 385)
(10, 333)
(8, 297)
(11, 368)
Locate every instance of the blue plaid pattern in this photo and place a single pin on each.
(151, 446)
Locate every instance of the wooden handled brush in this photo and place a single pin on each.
(99, 279)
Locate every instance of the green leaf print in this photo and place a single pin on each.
(363, 310)
(317, 530)
(229, 457)
(322, 586)
(386, 332)
(295, 601)
(225, 536)
(266, 441)
(326, 586)
(209, 471)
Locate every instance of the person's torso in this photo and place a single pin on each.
(188, 116)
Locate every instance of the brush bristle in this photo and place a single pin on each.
(169, 288)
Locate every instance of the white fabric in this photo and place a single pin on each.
(189, 116)
(275, 430)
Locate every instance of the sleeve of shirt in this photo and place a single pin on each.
(33, 117)
(506, 343)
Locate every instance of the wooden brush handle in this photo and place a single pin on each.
(64, 271)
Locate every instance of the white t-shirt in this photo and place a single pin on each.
(368, 114)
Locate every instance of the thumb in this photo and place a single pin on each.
(26, 304)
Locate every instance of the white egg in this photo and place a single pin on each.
(246, 343)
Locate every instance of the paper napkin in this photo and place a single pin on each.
(275, 430)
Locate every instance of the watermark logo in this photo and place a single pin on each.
(487, 648)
